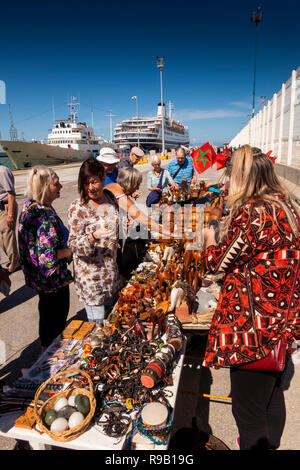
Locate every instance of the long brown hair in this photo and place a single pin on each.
(253, 178)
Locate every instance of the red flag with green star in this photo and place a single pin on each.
(271, 158)
(203, 157)
(222, 157)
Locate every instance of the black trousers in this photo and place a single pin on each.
(258, 408)
(53, 310)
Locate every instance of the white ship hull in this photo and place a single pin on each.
(27, 154)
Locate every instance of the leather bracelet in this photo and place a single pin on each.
(91, 239)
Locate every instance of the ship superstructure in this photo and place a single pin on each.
(68, 141)
(147, 133)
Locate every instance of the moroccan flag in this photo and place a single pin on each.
(203, 157)
(271, 158)
(222, 157)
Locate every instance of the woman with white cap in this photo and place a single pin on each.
(109, 159)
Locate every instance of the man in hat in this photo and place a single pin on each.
(109, 159)
(132, 159)
(129, 161)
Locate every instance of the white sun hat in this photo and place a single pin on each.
(108, 155)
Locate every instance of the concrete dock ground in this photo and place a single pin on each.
(19, 332)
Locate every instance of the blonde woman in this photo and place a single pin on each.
(43, 253)
(259, 302)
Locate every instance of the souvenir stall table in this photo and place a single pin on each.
(115, 387)
(132, 363)
(93, 438)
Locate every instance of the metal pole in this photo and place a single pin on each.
(137, 115)
(254, 78)
(255, 18)
(163, 115)
(110, 123)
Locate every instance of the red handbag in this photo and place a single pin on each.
(275, 360)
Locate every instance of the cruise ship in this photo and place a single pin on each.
(147, 132)
(68, 141)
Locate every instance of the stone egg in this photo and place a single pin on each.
(66, 412)
(60, 403)
(71, 400)
(75, 419)
(82, 404)
(50, 416)
(59, 425)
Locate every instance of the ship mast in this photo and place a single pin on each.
(171, 108)
(74, 109)
(12, 129)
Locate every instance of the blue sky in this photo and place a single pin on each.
(105, 53)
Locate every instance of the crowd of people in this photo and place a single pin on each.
(258, 250)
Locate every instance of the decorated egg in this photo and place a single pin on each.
(75, 419)
(59, 425)
(82, 404)
(66, 412)
(60, 403)
(50, 416)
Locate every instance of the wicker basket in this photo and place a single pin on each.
(69, 434)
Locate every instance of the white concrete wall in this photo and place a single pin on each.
(276, 126)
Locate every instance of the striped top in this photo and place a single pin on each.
(187, 170)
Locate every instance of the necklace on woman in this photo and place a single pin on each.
(157, 173)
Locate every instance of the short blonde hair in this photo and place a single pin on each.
(38, 181)
(155, 159)
(129, 179)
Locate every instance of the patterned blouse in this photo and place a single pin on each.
(95, 266)
(260, 267)
(40, 236)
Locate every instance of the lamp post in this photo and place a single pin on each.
(110, 115)
(255, 18)
(137, 116)
(137, 106)
(160, 66)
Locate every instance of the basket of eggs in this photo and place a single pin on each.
(67, 414)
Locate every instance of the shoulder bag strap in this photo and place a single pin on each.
(176, 173)
(29, 207)
(160, 179)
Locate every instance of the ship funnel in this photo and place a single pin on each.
(161, 110)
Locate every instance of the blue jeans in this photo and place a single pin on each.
(95, 313)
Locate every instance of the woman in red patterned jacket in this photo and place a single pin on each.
(259, 254)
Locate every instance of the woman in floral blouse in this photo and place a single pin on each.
(94, 235)
(259, 302)
(43, 253)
